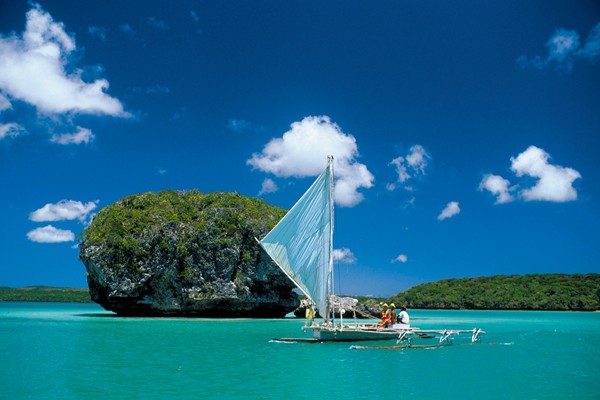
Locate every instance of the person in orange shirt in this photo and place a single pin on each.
(385, 317)
(393, 318)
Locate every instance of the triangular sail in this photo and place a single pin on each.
(301, 243)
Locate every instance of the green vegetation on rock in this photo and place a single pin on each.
(123, 226)
(185, 253)
(502, 292)
(45, 293)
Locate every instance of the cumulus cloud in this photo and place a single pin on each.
(10, 130)
(50, 234)
(411, 165)
(555, 183)
(32, 70)
(565, 48)
(344, 256)
(402, 258)
(63, 210)
(268, 186)
(450, 211)
(82, 135)
(552, 182)
(302, 151)
(498, 186)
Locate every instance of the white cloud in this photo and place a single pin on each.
(450, 211)
(565, 48)
(10, 130)
(555, 183)
(32, 69)
(268, 186)
(412, 165)
(399, 163)
(591, 47)
(98, 31)
(402, 258)
(63, 210)
(498, 186)
(562, 44)
(196, 19)
(50, 234)
(4, 103)
(241, 126)
(417, 158)
(82, 135)
(158, 89)
(157, 23)
(161, 171)
(344, 256)
(302, 151)
(127, 29)
(238, 125)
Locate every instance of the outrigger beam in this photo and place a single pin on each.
(446, 335)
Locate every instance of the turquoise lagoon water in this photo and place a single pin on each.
(80, 351)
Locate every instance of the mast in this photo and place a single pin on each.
(330, 261)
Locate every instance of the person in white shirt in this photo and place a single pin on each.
(403, 317)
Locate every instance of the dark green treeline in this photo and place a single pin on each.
(579, 292)
(45, 293)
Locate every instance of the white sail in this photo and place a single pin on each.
(301, 243)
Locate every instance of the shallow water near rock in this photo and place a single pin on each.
(80, 351)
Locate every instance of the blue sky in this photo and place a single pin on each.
(465, 135)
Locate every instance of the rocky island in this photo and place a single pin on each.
(185, 253)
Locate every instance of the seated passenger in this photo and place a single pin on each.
(385, 317)
(403, 317)
(393, 316)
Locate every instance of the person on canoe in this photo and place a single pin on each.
(393, 316)
(385, 317)
(403, 317)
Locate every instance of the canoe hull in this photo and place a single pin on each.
(351, 334)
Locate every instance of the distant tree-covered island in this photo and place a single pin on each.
(567, 292)
(45, 294)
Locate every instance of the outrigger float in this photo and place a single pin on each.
(301, 245)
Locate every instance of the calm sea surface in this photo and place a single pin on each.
(80, 351)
